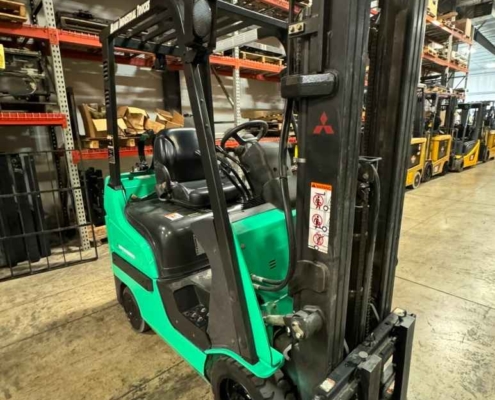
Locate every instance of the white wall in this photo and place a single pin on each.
(481, 86)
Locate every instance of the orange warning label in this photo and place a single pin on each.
(321, 186)
(320, 216)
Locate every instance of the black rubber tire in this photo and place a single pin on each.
(231, 381)
(428, 174)
(417, 180)
(486, 156)
(445, 168)
(461, 167)
(132, 312)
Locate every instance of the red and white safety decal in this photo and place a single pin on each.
(319, 216)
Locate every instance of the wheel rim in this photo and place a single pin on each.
(132, 311)
(417, 180)
(232, 390)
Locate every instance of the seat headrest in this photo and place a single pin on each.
(177, 150)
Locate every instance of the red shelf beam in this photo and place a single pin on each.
(32, 119)
(143, 59)
(102, 154)
(457, 35)
(280, 4)
(444, 63)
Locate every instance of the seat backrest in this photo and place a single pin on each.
(177, 150)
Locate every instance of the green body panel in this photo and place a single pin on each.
(261, 246)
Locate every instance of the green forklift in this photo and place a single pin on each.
(273, 284)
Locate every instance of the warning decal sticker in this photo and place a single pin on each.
(173, 216)
(319, 216)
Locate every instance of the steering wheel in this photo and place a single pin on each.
(234, 133)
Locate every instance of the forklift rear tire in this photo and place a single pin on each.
(231, 381)
(486, 156)
(132, 312)
(445, 168)
(416, 180)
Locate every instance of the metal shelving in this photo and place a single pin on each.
(32, 119)
(60, 87)
(102, 154)
(439, 64)
(76, 45)
(438, 32)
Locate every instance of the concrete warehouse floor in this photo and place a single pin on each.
(63, 336)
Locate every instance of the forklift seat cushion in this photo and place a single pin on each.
(178, 167)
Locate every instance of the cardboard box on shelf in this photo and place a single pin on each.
(164, 115)
(154, 125)
(169, 120)
(134, 118)
(178, 119)
(95, 123)
(465, 25)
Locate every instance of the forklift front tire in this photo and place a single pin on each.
(416, 180)
(445, 168)
(428, 174)
(132, 312)
(231, 381)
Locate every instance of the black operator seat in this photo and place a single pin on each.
(183, 199)
(179, 171)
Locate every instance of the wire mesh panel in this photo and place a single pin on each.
(38, 220)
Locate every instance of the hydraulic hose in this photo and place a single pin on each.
(239, 185)
(375, 211)
(239, 164)
(289, 221)
(294, 125)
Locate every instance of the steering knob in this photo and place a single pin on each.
(234, 133)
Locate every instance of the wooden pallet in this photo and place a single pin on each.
(430, 52)
(245, 55)
(12, 11)
(102, 143)
(438, 89)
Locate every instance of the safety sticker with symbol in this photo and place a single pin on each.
(319, 216)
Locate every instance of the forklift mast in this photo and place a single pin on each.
(450, 114)
(472, 120)
(325, 75)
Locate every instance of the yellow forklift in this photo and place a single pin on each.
(417, 162)
(467, 134)
(431, 142)
(417, 150)
(487, 151)
(438, 134)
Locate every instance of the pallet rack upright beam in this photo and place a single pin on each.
(60, 87)
(236, 75)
